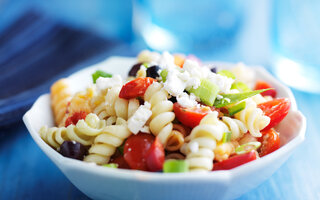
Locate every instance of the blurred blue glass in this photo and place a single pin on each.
(187, 26)
(296, 43)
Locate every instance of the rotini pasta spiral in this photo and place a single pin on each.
(237, 127)
(81, 102)
(253, 118)
(83, 132)
(112, 105)
(162, 115)
(106, 143)
(199, 150)
(176, 140)
(60, 97)
(53, 136)
(224, 150)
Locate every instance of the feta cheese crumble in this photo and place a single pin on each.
(103, 83)
(137, 121)
(186, 100)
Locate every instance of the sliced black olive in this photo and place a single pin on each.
(153, 71)
(134, 69)
(72, 149)
(213, 69)
(173, 99)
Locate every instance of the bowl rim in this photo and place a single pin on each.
(128, 174)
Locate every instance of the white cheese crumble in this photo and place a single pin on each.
(224, 83)
(137, 121)
(186, 100)
(103, 83)
(174, 85)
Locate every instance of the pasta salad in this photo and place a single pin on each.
(171, 114)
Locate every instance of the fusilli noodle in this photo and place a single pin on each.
(204, 138)
(162, 115)
(253, 118)
(105, 144)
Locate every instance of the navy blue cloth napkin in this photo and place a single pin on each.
(35, 51)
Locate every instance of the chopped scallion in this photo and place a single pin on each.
(111, 165)
(226, 137)
(164, 74)
(175, 166)
(227, 73)
(245, 148)
(242, 87)
(237, 108)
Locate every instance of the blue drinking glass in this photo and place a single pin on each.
(201, 27)
(296, 43)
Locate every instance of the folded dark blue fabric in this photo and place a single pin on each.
(36, 50)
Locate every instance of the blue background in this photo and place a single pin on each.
(26, 173)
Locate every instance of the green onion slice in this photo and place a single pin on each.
(227, 73)
(100, 73)
(175, 166)
(164, 74)
(145, 65)
(226, 137)
(111, 165)
(245, 148)
(237, 108)
(228, 99)
(242, 87)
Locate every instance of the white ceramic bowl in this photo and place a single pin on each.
(106, 183)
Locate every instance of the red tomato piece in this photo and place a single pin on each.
(264, 85)
(270, 141)
(136, 149)
(135, 88)
(155, 156)
(75, 117)
(122, 164)
(276, 109)
(190, 117)
(235, 161)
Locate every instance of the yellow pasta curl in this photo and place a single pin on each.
(60, 97)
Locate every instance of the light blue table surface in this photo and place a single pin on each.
(26, 173)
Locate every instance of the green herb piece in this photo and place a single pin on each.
(145, 65)
(227, 73)
(228, 99)
(226, 137)
(237, 108)
(242, 87)
(100, 73)
(111, 165)
(245, 148)
(175, 166)
(207, 92)
(164, 74)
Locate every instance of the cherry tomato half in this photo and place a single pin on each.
(264, 85)
(190, 117)
(75, 117)
(155, 156)
(276, 109)
(136, 149)
(270, 141)
(235, 161)
(135, 88)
